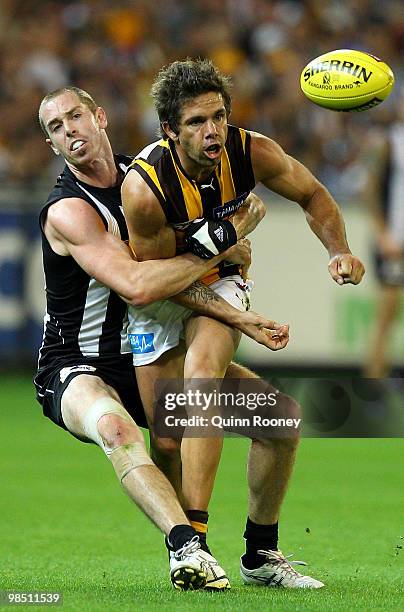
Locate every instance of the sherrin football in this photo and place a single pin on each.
(347, 80)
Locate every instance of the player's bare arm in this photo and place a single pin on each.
(152, 238)
(271, 334)
(288, 177)
(157, 239)
(73, 228)
(250, 213)
(150, 235)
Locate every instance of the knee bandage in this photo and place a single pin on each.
(126, 457)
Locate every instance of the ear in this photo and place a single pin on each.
(54, 149)
(170, 133)
(101, 117)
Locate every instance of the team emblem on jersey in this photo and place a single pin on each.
(141, 343)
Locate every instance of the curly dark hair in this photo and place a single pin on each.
(182, 81)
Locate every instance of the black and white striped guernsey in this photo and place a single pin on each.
(85, 322)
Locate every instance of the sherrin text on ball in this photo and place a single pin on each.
(347, 80)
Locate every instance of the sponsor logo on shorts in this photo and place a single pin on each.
(141, 343)
(65, 372)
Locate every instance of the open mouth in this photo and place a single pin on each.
(213, 151)
(76, 145)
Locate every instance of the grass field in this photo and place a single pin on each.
(66, 526)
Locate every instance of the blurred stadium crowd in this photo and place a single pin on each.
(114, 49)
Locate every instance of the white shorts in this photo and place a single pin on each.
(158, 327)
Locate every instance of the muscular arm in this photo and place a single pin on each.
(288, 177)
(246, 219)
(74, 228)
(264, 331)
(151, 236)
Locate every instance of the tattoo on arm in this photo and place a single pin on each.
(200, 293)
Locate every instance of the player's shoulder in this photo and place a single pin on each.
(267, 157)
(264, 145)
(69, 208)
(71, 217)
(254, 143)
(235, 130)
(152, 164)
(123, 162)
(151, 154)
(236, 134)
(67, 199)
(65, 186)
(69, 186)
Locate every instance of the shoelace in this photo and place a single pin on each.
(281, 561)
(189, 547)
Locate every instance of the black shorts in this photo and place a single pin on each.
(120, 377)
(389, 271)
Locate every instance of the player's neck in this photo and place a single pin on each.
(203, 174)
(192, 169)
(98, 172)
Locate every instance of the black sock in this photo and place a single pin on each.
(258, 537)
(199, 521)
(179, 535)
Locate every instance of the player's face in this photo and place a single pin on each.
(202, 132)
(74, 131)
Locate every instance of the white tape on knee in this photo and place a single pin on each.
(127, 457)
(123, 458)
(98, 409)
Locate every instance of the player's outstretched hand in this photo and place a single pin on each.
(346, 268)
(274, 336)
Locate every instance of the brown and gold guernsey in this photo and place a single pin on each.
(183, 199)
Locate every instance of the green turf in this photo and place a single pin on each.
(66, 526)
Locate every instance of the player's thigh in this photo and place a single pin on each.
(210, 347)
(81, 393)
(170, 365)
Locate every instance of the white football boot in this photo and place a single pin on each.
(186, 569)
(277, 571)
(216, 576)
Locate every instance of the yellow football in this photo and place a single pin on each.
(347, 80)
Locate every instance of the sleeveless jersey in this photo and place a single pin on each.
(85, 321)
(183, 199)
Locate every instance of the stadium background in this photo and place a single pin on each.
(113, 50)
